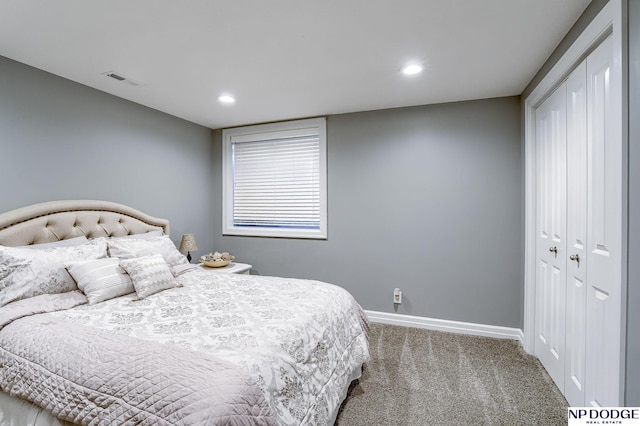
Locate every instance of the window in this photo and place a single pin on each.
(274, 180)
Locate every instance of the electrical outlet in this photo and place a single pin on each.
(397, 296)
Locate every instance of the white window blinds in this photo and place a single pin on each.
(277, 181)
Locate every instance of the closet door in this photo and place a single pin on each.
(551, 256)
(574, 382)
(604, 233)
(579, 233)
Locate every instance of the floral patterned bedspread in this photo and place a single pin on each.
(303, 340)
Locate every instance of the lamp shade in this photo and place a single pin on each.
(188, 243)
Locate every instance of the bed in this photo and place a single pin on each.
(103, 321)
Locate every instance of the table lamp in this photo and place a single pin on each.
(188, 244)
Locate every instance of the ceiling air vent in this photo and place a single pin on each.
(116, 76)
(119, 77)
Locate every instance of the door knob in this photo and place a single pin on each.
(575, 257)
(553, 249)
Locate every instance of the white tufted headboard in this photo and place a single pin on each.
(60, 220)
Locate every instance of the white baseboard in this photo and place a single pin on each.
(447, 325)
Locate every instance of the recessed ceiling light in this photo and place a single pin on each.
(412, 69)
(226, 99)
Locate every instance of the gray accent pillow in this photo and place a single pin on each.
(150, 274)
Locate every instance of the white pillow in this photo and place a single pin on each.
(131, 248)
(26, 273)
(69, 242)
(144, 236)
(150, 274)
(101, 279)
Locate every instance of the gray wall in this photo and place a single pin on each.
(631, 8)
(633, 295)
(62, 140)
(424, 198)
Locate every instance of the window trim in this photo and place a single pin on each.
(228, 227)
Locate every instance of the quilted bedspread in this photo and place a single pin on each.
(113, 379)
(298, 341)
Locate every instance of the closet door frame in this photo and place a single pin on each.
(607, 22)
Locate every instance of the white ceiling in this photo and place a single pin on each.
(286, 59)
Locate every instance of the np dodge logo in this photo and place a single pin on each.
(603, 416)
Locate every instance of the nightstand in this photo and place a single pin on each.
(231, 268)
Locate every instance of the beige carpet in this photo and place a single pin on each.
(422, 377)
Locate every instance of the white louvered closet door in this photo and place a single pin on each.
(579, 229)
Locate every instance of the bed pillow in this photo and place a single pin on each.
(132, 248)
(149, 274)
(101, 279)
(70, 242)
(26, 273)
(145, 236)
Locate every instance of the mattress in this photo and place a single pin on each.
(301, 341)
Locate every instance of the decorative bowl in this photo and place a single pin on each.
(216, 260)
(215, 263)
